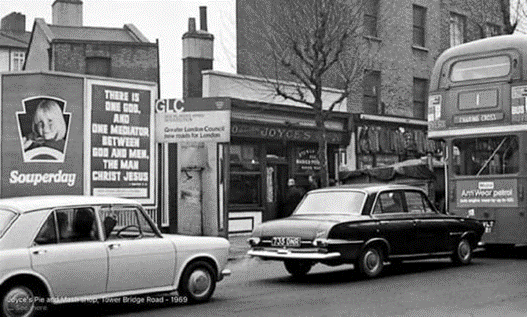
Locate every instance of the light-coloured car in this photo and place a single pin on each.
(61, 249)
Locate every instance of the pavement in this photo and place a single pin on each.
(239, 246)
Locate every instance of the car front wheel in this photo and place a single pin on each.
(463, 253)
(370, 262)
(298, 268)
(198, 282)
(21, 300)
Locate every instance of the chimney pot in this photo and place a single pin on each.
(191, 24)
(203, 17)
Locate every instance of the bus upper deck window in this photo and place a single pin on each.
(488, 67)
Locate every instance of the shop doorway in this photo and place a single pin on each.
(276, 179)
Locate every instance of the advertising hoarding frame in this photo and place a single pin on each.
(151, 201)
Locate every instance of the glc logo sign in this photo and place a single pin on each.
(170, 105)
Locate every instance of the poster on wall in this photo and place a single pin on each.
(121, 140)
(42, 134)
(193, 120)
(306, 160)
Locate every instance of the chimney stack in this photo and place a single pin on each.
(67, 12)
(203, 18)
(197, 55)
(15, 22)
(192, 25)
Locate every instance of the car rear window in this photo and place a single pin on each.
(6, 217)
(335, 202)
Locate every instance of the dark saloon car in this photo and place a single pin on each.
(364, 225)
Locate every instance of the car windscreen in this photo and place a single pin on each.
(6, 217)
(334, 202)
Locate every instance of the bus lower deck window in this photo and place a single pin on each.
(486, 155)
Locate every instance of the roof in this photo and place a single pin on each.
(14, 39)
(29, 203)
(127, 34)
(481, 46)
(75, 33)
(368, 187)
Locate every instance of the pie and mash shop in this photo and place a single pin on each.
(77, 135)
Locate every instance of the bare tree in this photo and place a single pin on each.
(505, 8)
(313, 44)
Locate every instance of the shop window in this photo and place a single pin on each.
(276, 151)
(244, 158)
(245, 177)
(245, 189)
(419, 25)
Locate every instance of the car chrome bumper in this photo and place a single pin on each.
(282, 254)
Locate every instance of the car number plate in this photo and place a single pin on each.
(488, 224)
(285, 241)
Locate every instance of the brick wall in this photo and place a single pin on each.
(137, 62)
(398, 60)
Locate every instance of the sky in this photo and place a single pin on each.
(165, 20)
(519, 12)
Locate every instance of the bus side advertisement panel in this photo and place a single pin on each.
(487, 193)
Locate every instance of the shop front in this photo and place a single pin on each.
(384, 140)
(269, 147)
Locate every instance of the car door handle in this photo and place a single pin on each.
(114, 246)
(416, 222)
(40, 251)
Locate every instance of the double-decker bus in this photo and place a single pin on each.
(478, 106)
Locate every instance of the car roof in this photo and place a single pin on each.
(29, 203)
(368, 187)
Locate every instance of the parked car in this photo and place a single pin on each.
(365, 225)
(61, 249)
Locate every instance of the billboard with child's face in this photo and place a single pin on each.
(42, 135)
(73, 135)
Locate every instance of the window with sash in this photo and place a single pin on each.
(457, 29)
(17, 60)
(372, 87)
(492, 30)
(420, 93)
(371, 15)
(419, 25)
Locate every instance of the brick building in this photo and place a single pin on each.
(68, 46)
(393, 95)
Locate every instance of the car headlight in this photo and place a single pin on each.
(320, 243)
(253, 241)
(320, 239)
